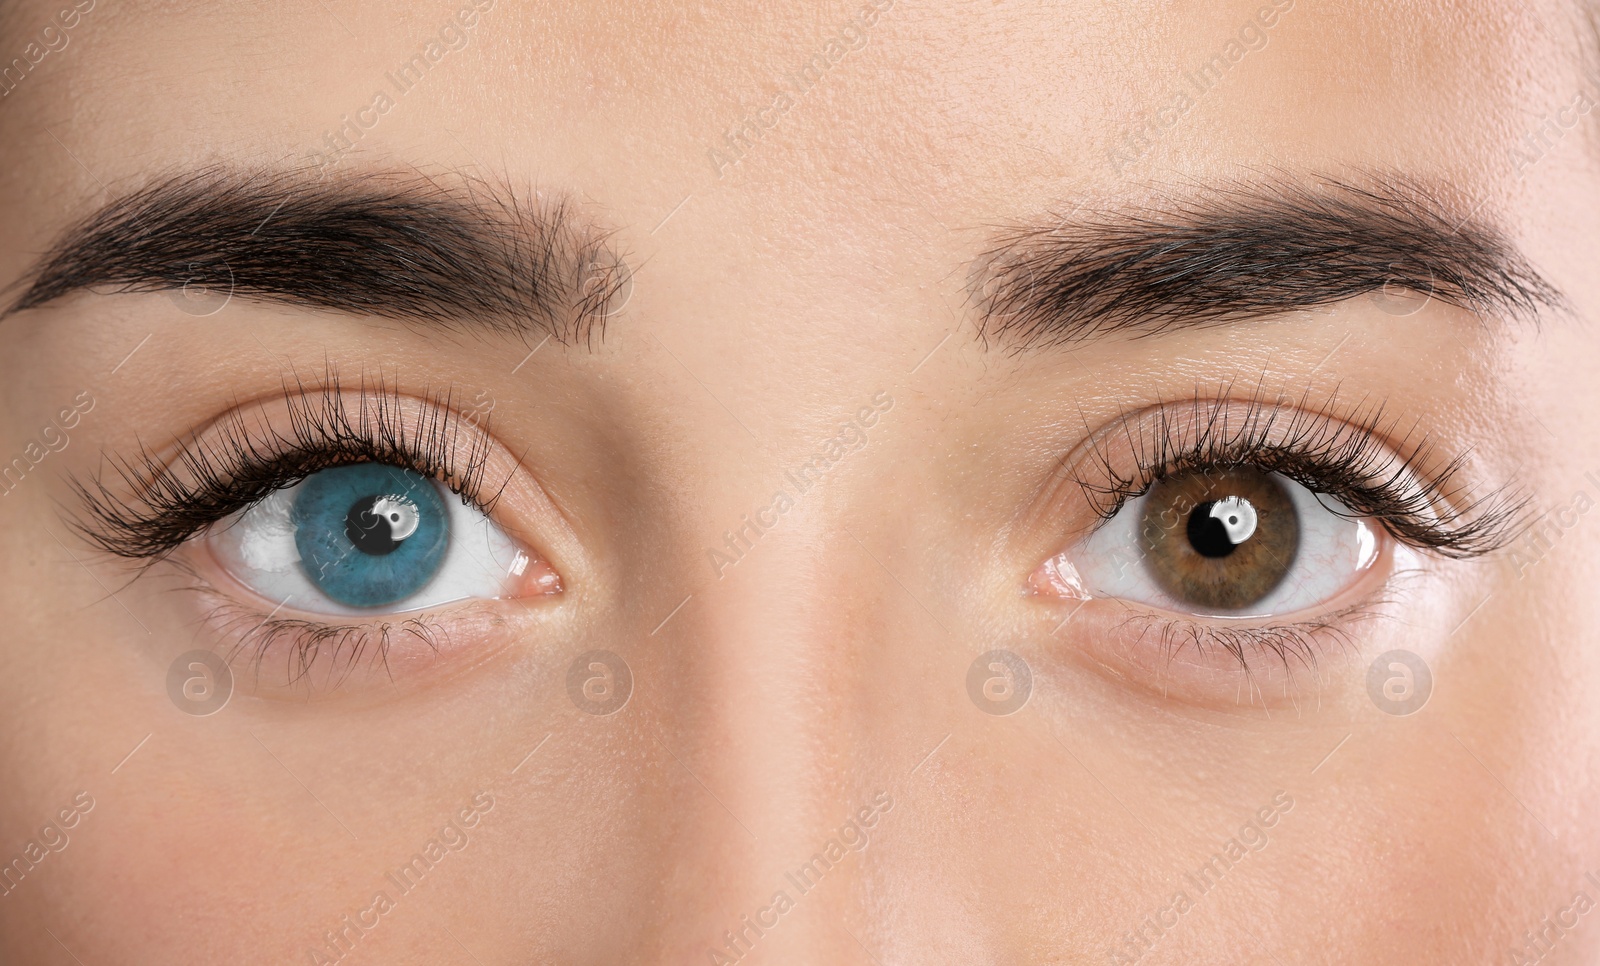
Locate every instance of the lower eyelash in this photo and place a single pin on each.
(304, 641)
(1302, 643)
(255, 635)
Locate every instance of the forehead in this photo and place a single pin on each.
(962, 114)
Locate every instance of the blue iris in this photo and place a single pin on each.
(369, 535)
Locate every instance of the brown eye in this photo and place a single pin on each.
(1219, 539)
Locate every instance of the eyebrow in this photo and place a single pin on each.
(464, 254)
(1243, 251)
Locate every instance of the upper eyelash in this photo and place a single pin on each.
(1346, 460)
(153, 507)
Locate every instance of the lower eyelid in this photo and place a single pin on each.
(1218, 666)
(1299, 661)
(278, 655)
(1207, 662)
(279, 651)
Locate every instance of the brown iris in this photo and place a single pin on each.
(1219, 539)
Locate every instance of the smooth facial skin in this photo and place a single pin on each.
(812, 680)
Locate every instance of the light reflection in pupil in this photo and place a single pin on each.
(1216, 527)
(378, 524)
(1208, 534)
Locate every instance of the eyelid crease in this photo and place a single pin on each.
(152, 506)
(1348, 460)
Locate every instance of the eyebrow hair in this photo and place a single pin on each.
(1243, 251)
(397, 245)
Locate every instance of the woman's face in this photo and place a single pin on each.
(874, 483)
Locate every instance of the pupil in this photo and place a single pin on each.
(371, 531)
(1207, 534)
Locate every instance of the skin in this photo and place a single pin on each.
(773, 702)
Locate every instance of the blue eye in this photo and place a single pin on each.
(372, 538)
(369, 535)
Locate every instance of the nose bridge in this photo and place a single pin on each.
(767, 700)
(771, 756)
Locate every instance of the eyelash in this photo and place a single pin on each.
(1348, 461)
(1345, 460)
(1301, 642)
(307, 639)
(235, 465)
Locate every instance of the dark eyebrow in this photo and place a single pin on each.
(460, 254)
(1243, 251)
